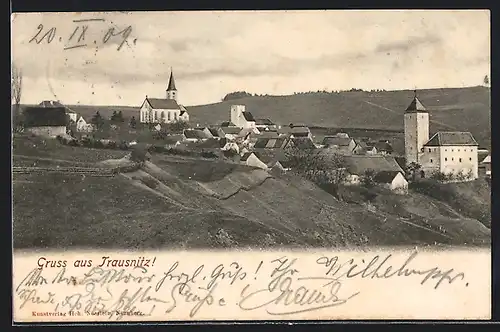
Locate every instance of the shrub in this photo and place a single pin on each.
(151, 183)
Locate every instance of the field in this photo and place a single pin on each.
(177, 202)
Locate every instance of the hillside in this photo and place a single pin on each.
(461, 109)
(189, 203)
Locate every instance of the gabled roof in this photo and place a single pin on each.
(385, 176)
(270, 143)
(359, 164)
(336, 140)
(214, 132)
(44, 116)
(416, 106)
(263, 122)
(383, 146)
(182, 113)
(50, 103)
(247, 155)
(166, 104)
(227, 124)
(171, 82)
(486, 160)
(231, 130)
(442, 138)
(195, 133)
(367, 145)
(248, 116)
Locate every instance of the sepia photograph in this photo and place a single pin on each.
(272, 129)
(251, 165)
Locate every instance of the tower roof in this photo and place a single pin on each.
(171, 82)
(415, 105)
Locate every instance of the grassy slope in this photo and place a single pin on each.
(170, 206)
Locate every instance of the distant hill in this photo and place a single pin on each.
(461, 109)
(467, 109)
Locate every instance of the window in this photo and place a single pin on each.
(451, 158)
(445, 159)
(431, 160)
(470, 159)
(452, 150)
(429, 150)
(445, 150)
(459, 160)
(162, 115)
(169, 118)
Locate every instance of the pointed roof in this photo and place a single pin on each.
(171, 82)
(416, 106)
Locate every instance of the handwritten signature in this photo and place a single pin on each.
(78, 37)
(379, 267)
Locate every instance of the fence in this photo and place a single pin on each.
(100, 172)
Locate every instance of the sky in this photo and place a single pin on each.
(265, 52)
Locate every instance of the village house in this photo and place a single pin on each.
(392, 180)
(157, 110)
(241, 118)
(73, 116)
(383, 147)
(45, 121)
(265, 125)
(82, 126)
(194, 135)
(450, 153)
(252, 159)
(365, 147)
(271, 143)
(485, 166)
(230, 133)
(445, 152)
(302, 143)
(358, 165)
(338, 144)
(297, 130)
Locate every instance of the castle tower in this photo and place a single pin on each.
(171, 90)
(416, 126)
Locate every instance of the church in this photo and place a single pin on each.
(159, 110)
(447, 152)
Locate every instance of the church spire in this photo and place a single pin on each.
(171, 83)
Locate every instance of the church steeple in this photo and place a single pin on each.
(171, 90)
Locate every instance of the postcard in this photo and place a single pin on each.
(251, 165)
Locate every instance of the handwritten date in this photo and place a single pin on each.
(79, 36)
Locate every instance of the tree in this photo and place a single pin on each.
(412, 170)
(177, 127)
(97, 120)
(133, 123)
(16, 90)
(368, 178)
(120, 117)
(113, 117)
(486, 80)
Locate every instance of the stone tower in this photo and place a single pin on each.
(171, 90)
(416, 126)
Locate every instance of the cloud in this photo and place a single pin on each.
(408, 44)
